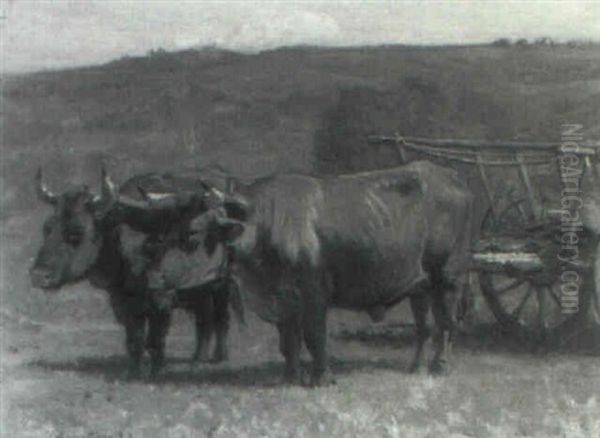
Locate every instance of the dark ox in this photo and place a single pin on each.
(87, 237)
(363, 241)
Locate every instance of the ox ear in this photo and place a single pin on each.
(222, 231)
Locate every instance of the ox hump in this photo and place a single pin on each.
(286, 213)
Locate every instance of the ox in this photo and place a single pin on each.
(363, 241)
(85, 238)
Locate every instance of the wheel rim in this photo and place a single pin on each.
(535, 312)
(535, 307)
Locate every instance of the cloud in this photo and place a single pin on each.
(38, 34)
(267, 29)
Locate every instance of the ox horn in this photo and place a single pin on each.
(42, 191)
(108, 190)
(150, 200)
(212, 190)
(155, 198)
(130, 202)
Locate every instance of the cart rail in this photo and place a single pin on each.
(484, 154)
(588, 148)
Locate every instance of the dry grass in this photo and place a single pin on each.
(66, 380)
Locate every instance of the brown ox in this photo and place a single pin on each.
(363, 241)
(85, 238)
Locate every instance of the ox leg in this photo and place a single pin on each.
(444, 313)
(134, 341)
(118, 307)
(204, 314)
(290, 342)
(159, 322)
(314, 324)
(419, 304)
(221, 323)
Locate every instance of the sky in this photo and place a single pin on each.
(51, 34)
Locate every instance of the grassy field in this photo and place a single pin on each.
(305, 109)
(66, 379)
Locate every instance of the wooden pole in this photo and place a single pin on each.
(486, 186)
(399, 145)
(527, 182)
(587, 148)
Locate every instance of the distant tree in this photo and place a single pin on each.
(544, 41)
(501, 42)
(522, 42)
(157, 52)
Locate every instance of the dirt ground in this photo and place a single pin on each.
(66, 379)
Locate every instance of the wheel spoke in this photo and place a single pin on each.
(508, 287)
(517, 312)
(554, 296)
(541, 297)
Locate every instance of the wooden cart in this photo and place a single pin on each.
(534, 264)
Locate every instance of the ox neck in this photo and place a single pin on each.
(107, 270)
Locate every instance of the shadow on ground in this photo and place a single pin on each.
(483, 336)
(179, 372)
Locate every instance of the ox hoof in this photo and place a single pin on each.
(292, 377)
(414, 367)
(199, 358)
(322, 379)
(438, 368)
(155, 373)
(133, 374)
(220, 356)
(155, 376)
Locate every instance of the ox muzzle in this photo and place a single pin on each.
(44, 278)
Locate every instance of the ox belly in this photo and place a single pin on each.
(355, 280)
(374, 290)
(274, 302)
(378, 266)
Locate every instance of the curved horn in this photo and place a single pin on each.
(42, 191)
(152, 200)
(230, 185)
(134, 203)
(108, 190)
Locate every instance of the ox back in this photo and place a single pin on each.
(373, 237)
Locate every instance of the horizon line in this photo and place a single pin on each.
(249, 51)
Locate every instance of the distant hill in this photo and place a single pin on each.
(302, 108)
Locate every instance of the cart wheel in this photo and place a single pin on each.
(509, 220)
(535, 311)
(544, 309)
